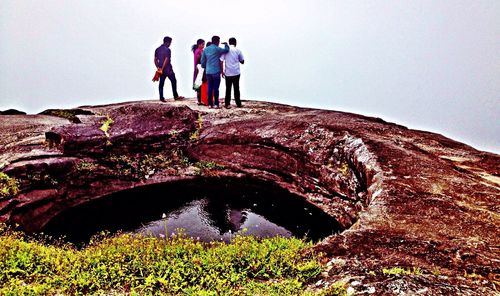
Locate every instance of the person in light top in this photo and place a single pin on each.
(232, 61)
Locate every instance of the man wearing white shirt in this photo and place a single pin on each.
(232, 61)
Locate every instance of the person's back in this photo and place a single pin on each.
(233, 59)
(162, 53)
(211, 58)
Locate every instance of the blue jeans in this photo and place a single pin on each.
(213, 89)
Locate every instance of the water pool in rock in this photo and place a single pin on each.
(206, 209)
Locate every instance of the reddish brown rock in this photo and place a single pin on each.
(405, 198)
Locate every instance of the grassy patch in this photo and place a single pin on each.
(399, 271)
(141, 166)
(196, 134)
(8, 186)
(338, 288)
(207, 168)
(85, 166)
(144, 166)
(149, 266)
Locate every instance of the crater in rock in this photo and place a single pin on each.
(207, 209)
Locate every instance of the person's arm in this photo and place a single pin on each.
(226, 48)
(240, 57)
(221, 63)
(164, 63)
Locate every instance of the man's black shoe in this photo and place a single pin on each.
(162, 99)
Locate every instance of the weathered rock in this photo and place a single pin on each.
(404, 197)
(23, 137)
(135, 128)
(12, 112)
(70, 114)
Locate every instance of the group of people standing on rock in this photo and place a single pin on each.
(210, 64)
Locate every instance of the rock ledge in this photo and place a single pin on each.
(404, 198)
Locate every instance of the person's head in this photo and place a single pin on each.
(216, 40)
(200, 43)
(167, 40)
(232, 41)
(209, 43)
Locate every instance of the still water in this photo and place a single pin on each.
(205, 209)
(198, 223)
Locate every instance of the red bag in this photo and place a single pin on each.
(204, 93)
(157, 75)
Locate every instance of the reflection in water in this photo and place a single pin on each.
(205, 209)
(196, 222)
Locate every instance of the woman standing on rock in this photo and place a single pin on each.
(197, 51)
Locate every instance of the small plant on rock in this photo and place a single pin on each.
(196, 134)
(344, 169)
(86, 166)
(207, 167)
(105, 128)
(8, 186)
(399, 271)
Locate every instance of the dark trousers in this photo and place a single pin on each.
(171, 77)
(230, 81)
(198, 95)
(213, 89)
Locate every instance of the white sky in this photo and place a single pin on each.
(426, 64)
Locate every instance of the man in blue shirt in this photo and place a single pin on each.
(210, 60)
(164, 65)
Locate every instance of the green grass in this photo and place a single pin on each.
(399, 271)
(140, 166)
(8, 186)
(207, 168)
(86, 166)
(149, 266)
(196, 134)
(106, 124)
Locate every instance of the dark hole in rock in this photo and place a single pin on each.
(207, 209)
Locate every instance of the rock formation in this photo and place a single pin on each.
(406, 199)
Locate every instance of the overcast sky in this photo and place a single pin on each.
(426, 64)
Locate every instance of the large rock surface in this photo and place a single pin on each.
(404, 198)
